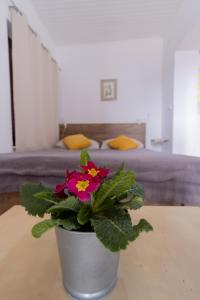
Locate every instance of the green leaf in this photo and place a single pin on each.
(48, 196)
(41, 227)
(138, 190)
(84, 157)
(33, 205)
(70, 203)
(116, 186)
(143, 225)
(114, 230)
(105, 206)
(121, 168)
(70, 223)
(133, 202)
(84, 214)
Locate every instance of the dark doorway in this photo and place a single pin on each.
(11, 89)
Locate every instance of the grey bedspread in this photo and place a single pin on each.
(167, 178)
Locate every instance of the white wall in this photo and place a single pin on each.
(186, 137)
(5, 108)
(181, 32)
(168, 100)
(191, 40)
(137, 65)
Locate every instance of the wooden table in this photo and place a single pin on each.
(161, 265)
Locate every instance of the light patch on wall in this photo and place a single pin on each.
(198, 91)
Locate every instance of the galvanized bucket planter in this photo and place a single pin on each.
(89, 269)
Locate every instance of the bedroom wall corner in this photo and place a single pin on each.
(183, 34)
(187, 101)
(136, 64)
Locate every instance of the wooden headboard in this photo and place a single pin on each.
(100, 132)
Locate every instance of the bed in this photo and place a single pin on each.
(168, 179)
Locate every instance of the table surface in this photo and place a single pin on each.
(160, 265)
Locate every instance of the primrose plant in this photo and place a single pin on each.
(89, 200)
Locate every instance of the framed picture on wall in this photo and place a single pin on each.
(108, 89)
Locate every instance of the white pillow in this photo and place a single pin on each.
(94, 145)
(104, 144)
(60, 144)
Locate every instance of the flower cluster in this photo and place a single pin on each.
(82, 184)
(89, 201)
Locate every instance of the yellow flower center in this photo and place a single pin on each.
(82, 185)
(93, 172)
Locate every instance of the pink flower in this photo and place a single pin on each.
(60, 190)
(82, 185)
(94, 171)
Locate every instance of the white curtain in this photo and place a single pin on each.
(35, 80)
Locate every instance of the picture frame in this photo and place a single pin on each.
(108, 89)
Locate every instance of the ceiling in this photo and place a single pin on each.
(91, 21)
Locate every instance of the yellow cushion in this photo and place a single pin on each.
(123, 142)
(76, 142)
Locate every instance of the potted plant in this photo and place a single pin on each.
(90, 213)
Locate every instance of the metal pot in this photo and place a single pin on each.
(89, 269)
